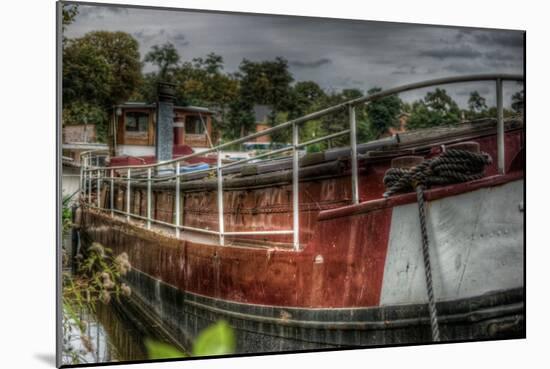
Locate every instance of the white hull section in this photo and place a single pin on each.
(476, 246)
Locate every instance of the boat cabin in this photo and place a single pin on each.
(134, 128)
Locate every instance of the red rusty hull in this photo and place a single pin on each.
(341, 266)
(343, 247)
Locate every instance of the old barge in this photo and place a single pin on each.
(305, 252)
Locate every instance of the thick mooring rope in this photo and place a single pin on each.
(453, 166)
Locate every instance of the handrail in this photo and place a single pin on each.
(88, 173)
(341, 106)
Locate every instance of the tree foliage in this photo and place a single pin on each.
(100, 69)
(476, 102)
(68, 14)
(267, 83)
(165, 57)
(518, 101)
(436, 109)
(383, 113)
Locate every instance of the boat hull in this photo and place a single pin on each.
(263, 328)
(343, 299)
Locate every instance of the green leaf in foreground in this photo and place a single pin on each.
(218, 339)
(160, 350)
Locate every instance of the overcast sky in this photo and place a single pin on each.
(336, 54)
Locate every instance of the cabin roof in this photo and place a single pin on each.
(191, 108)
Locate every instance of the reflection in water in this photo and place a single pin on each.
(124, 336)
(102, 335)
(107, 336)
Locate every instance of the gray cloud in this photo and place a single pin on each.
(500, 55)
(311, 64)
(147, 35)
(180, 39)
(336, 54)
(405, 69)
(513, 39)
(100, 12)
(460, 68)
(482, 89)
(448, 52)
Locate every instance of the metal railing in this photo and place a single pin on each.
(90, 172)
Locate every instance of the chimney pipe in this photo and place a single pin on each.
(164, 131)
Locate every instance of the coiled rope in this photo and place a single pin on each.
(452, 166)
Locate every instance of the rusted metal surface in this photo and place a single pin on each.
(468, 146)
(344, 246)
(263, 276)
(406, 161)
(340, 266)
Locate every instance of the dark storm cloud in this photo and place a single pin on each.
(100, 12)
(451, 53)
(405, 69)
(311, 64)
(482, 89)
(180, 39)
(460, 68)
(499, 55)
(147, 35)
(504, 38)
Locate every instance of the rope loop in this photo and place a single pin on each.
(452, 166)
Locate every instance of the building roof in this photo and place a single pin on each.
(191, 108)
(84, 146)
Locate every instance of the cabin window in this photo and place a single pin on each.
(137, 121)
(193, 125)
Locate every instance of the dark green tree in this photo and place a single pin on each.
(68, 14)
(212, 64)
(437, 108)
(304, 97)
(266, 82)
(383, 113)
(120, 51)
(476, 102)
(100, 69)
(165, 57)
(518, 101)
(240, 119)
(87, 75)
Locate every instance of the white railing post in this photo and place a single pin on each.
(84, 187)
(177, 199)
(98, 189)
(112, 193)
(128, 195)
(500, 130)
(149, 198)
(295, 187)
(89, 187)
(353, 144)
(80, 184)
(220, 197)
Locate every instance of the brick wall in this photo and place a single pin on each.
(79, 133)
